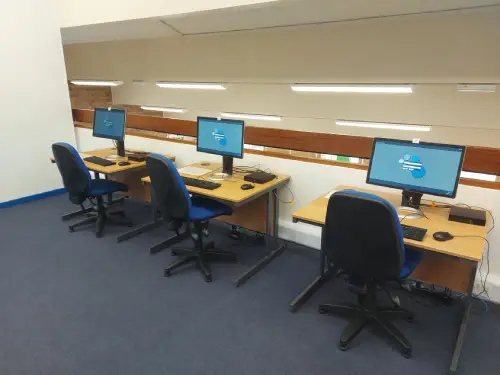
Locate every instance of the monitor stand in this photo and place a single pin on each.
(227, 169)
(410, 205)
(120, 148)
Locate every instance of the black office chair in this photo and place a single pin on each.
(77, 180)
(175, 204)
(364, 240)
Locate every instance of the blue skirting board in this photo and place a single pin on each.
(31, 198)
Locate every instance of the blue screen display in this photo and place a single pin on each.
(224, 137)
(109, 124)
(431, 169)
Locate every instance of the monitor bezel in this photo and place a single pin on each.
(422, 191)
(239, 122)
(107, 136)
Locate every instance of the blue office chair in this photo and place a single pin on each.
(77, 180)
(363, 238)
(175, 204)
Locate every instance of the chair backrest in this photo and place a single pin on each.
(76, 176)
(168, 190)
(363, 236)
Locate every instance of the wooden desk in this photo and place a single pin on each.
(112, 169)
(452, 264)
(463, 248)
(255, 209)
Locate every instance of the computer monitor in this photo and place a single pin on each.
(221, 137)
(110, 124)
(416, 168)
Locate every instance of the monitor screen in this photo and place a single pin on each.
(109, 123)
(426, 168)
(220, 137)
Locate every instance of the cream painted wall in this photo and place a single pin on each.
(456, 117)
(35, 105)
(435, 51)
(86, 12)
(435, 48)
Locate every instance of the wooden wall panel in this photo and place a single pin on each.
(312, 142)
(477, 159)
(483, 159)
(162, 124)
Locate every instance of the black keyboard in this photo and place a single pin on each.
(202, 184)
(99, 161)
(413, 233)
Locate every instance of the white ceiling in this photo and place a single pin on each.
(278, 14)
(134, 29)
(286, 13)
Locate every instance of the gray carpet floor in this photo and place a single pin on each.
(73, 304)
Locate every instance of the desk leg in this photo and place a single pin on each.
(155, 223)
(325, 273)
(272, 209)
(463, 322)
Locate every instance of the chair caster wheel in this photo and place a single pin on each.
(321, 310)
(342, 346)
(71, 230)
(167, 273)
(173, 253)
(208, 279)
(406, 353)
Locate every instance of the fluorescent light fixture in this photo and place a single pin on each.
(250, 116)
(364, 89)
(163, 109)
(183, 85)
(96, 83)
(384, 125)
(477, 88)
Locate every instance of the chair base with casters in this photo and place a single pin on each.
(202, 254)
(367, 312)
(100, 216)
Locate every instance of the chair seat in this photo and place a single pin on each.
(412, 258)
(205, 208)
(101, 187)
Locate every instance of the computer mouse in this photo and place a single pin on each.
(443, 236)
(123, 163)
(247, 186)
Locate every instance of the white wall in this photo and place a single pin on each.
(304, 191)
(86, 12)
(434, 48)
(35, 104)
